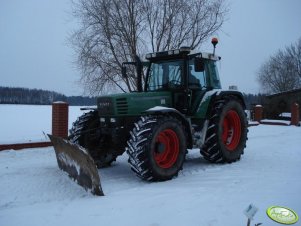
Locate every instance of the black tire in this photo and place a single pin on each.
(84, 133)
(157, 148)
(227, 132)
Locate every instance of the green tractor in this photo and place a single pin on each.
(181, 106)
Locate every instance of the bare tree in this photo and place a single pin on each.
(115, 31)
(294, 51)
(174, 23)
(282, 71)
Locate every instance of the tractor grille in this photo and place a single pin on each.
(122, 106)
(105, 105)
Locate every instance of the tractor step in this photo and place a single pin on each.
(77, 162)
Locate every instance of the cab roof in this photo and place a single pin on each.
(180, 53)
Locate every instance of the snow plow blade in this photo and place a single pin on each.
(77, 162)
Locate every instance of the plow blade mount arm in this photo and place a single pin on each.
(77, 162)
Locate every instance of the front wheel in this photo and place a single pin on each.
(85, 133)
(227, 132)
(157, 148)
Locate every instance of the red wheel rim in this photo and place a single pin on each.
(166, 148)
(231, 130)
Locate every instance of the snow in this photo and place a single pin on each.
(29, 123)
(33, 191)
(160, 108)
(69, 161)
(59, 102)
(209, 94)
(286, 114)
(285, 122)
(253, 123)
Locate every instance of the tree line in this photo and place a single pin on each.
(11, 95)
(253, 99)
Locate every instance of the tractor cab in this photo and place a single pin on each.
(187, 76)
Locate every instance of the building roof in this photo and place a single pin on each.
(285, 92)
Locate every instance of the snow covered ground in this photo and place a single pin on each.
(34, 192)
(26, 123)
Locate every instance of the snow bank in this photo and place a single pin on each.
(285, 122)
(34, 192)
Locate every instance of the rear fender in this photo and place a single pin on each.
(159, 110)
(216, 95)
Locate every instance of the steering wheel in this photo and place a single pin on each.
(174, 83)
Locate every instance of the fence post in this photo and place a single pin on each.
(60, 112)
(295, 114)
(258, 111)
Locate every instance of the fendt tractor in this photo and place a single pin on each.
(181, 106)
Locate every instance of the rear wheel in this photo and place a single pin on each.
(85, 133)
(157, 148)
(227, 132)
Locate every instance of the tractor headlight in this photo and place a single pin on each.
(113, 120)
(102, 120)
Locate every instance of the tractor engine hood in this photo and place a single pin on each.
(132, 104)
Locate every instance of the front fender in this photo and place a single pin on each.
(159, 110)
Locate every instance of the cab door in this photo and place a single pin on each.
(171, 76)
(197, 86)
(175, 80)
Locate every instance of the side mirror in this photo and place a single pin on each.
(123, 72)
(199, 65)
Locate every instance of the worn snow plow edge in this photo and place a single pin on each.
(78, 163)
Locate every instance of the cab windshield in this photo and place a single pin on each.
(166, 75)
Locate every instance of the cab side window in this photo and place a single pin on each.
(173, 73)
(166, 75)
(196, 80)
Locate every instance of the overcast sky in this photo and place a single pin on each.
(34, 51)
